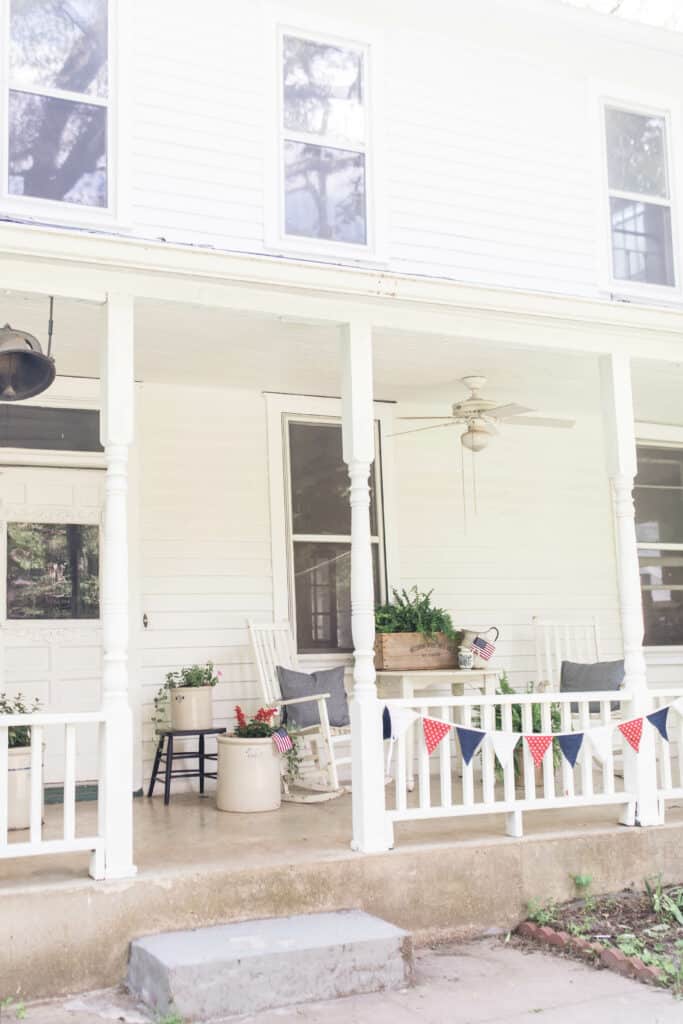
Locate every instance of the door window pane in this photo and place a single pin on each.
(641, 241)
(661, 574)
(323, 89)
(52, 571)
(57, 149)
(636, 152)
(320, 481)
(324, 193)
(322, 583)
(658, 496)
(59, 45)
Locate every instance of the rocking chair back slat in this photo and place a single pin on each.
(273, 645)
(558, 641)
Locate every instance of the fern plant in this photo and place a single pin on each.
(413, 612)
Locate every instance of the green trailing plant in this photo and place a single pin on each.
(190, 675)
(542, 913)
(504, 688)
(413, 612)
(19, 735)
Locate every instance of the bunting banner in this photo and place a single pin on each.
(470, 741)
(659, 720)
(434, 732)
(632, 731)
(570, 745)
(538, 744)
(504, 744)
(600, 740)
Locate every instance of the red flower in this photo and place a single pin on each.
(265, 714)
(241, 717)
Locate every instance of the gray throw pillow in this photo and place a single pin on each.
(584, 678)
(302, 684)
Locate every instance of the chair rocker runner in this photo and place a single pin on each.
(273, 645)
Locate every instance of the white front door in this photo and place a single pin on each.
(50, 630)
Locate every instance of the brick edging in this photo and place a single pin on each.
(610, 957)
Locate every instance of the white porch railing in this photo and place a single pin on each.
(36, 843)
(482, 787)
(669, 755)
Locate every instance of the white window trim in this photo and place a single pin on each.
(278, 409)
(604, 95)
(280, 22)
(51, 211)
(661, 435)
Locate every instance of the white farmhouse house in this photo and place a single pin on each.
(272, 232)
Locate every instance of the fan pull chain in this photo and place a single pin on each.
(474, 484)
(464, 492)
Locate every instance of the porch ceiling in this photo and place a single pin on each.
(203, 346)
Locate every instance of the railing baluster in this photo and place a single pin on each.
(529, 767)
(549, 759)
(423, 766)
(587, 758)
(4, 783)
(69, 781)
(509, 791)
(401, 775)
(566, 768)
(467, 769)
(36, 783)
(445, 761)
(488, 768)
(608, 765)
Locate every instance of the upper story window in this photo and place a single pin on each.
(640, 200)
(658, 497)
(323, 155)
(57, 143)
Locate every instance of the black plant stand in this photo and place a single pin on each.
(168, 755)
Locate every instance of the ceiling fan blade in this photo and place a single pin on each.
(417, 430)
(445, 417)
(502, 412)
(539, 421)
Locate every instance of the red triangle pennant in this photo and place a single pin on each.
(434, 732)
(538, 745)
(632, 730)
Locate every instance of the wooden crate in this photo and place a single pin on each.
(412, 651)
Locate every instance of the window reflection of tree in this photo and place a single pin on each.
(52, 571)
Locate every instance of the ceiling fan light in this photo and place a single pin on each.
(475, 438)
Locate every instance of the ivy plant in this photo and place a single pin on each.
(19, 735)
(413, 612)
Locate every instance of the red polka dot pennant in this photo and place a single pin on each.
(434, 732)
(538, 745)
(632, 730)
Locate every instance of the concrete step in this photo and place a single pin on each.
(262, 965)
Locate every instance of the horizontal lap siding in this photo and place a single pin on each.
(204, 539)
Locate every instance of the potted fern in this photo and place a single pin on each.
(412, 634)
(19, 762)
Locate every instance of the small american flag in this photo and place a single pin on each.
(484, 648)
(282, 740)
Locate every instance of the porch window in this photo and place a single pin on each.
(52, 571)
(639, 193)
(323, 140)
(658, 495)
(57, 144)
(320, 532)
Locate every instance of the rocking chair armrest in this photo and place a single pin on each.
(301, 700)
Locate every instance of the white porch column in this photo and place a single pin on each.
(117, 394)
(617, 407)
(370, 831)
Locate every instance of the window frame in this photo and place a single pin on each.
(276, 238)
(659, 436)
(115, 103)
(280, 411)
(669, 110)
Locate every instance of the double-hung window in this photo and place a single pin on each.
(658, 495)
(639, 196)
(323, 143)
(56, 96)
(320, 534)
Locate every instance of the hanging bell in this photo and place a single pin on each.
(25, 370)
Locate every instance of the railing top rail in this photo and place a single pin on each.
(666, 691)
(432, 700)
(44, 718)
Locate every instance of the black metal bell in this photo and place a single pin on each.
(25, 370)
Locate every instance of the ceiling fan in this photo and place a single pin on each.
(481, 417)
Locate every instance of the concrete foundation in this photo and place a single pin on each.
(61, 932)
(266, 964)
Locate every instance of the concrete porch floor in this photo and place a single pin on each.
(197, 866)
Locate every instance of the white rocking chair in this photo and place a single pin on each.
(557, 641)
(273, 645)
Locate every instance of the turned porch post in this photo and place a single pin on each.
(116, 776)
(617, 406)
(370, 831)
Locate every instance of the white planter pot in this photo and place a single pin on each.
(19, 788)
(248, 774)
(191, 707)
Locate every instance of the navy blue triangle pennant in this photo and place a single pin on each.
(386, 724)
(470, 741)
(570, 745)
(658, 719)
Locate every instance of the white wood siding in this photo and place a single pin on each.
(489, 131)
